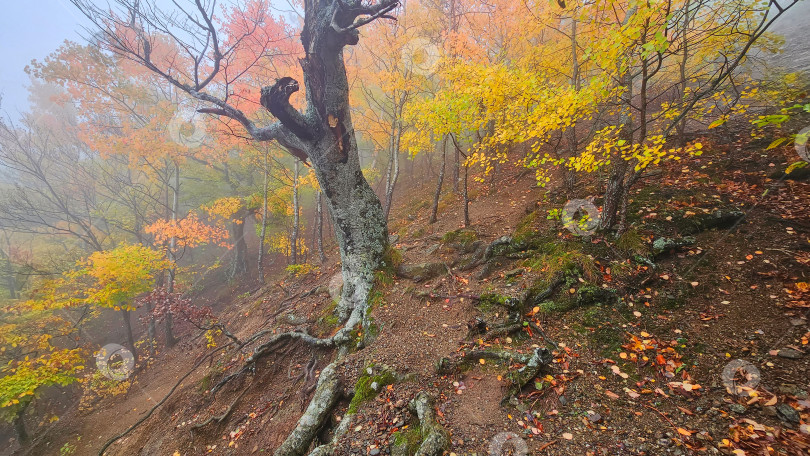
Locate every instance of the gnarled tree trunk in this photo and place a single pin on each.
(239, 263)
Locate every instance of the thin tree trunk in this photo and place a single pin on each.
(393, 171)
(19, 425)
(681, 129)
(130, 337)
(319, 225)
(456, 171)
(464, 193)
(239, 263)
(466, 199)
(294, 235)
(570, 178)
(170, 339)
(614, 191)
(434, 212)
(263, 235)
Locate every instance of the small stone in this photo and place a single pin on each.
(738, 408)
(514, 273)
(789, 353)
(375, 386)
(798, 321)
(770, 411)
(594, 417)
(787, 414)
(788, 388)
(374, 452)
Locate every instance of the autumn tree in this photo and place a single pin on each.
(31, 359)
(323, 135)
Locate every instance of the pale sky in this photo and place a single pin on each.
(32, 29)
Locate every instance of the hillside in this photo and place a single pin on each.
(638, 338)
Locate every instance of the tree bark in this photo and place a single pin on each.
(296, 217)
(239, 264)
(359, 221)
(319, 225)
(170, 339)
(570, 177)
(130, 337)
(681, 128)
(263, 235)
(466, 196)
(434, 212)
(19, 425)
(392, 175)
(615, 189)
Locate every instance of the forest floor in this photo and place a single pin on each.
(639, 337)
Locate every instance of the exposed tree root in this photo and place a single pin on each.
(327, 394)
(435, 439)
(533, 364)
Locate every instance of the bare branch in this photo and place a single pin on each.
(374, 12)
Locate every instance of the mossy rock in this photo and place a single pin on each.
(589, 295)
(665, 244)
(462, 240)
(524, 230)
(369, 386)
(422, 271)
(548, 307)
(406, 442)
(720, 219)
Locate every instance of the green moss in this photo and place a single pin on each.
(462, 237)
(363, 390)
(408, 441)
(593, 317)
(205, 383)
(327, 321)
(631, 243)
(488, 301)
(299, 270)
(524, 231)
(589, 295)
(608, 339)
(547, 307)
(384, 275)
(554, 257)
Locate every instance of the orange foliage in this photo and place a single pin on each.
(189, 232)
